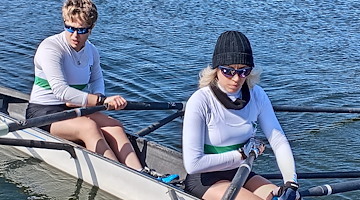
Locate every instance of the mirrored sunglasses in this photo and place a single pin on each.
(230, 72)
(78, 30)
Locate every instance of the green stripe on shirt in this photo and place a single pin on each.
(45, 84)
(209, 149)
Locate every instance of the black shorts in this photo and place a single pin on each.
(198, 184)
(37, 110)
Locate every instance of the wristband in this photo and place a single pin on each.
(100, 100)
(243, 155)
(292, 185)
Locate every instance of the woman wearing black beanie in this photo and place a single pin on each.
(220, 125)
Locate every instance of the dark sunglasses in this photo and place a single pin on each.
(78, 30)
(230, 72)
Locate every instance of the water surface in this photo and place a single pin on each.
(153, 51)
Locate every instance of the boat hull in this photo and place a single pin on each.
(110, 176)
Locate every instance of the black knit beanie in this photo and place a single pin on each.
(232, 47)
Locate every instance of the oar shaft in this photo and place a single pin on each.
(180, 106)
(77, 112)
(154, 106)
(239, 178)
(318, 175)
(51, 118)
(332, 188)
(159, 124)
(315, 109)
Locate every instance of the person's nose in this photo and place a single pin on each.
(75, 34)
(236, 77)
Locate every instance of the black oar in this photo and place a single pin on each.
(159, 124)
(315, 109)
(50, 118)
(154, 106)
(239, 178)
(41, 121)
(331, 188)
(77, 112)
(69, 114)
(350, 174)
(180, 106)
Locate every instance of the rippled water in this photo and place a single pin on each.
(153, 51)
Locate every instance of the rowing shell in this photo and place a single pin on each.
(117, 179)
(110, 176)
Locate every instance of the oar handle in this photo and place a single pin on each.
(239, 178)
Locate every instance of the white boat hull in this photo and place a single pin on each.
(108, 175)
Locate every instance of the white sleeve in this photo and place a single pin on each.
(96, 83)
(277, 139)
(194, 130)
(49, 58)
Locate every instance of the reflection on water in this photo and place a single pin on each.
(79, 185)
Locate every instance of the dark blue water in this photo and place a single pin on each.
(153, 51)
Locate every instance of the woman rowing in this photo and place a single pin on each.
(68, 74)
(221, 118)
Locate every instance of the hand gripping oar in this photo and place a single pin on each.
(241, 175)
(181, 105)
(331, 188)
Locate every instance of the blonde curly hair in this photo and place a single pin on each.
(84, 11)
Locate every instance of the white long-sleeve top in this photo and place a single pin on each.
(207, 123)
(65, 75)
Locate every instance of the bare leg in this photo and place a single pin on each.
(118, 141)
(216, 191)
(257, 188)
(86, 130)
(260, 186)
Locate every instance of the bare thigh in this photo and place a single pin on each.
(81, 128)
(256, 188)
(216, 192)
(260, 186)
(101, 134)
(117, 139)
(112, 129)
(84, 127)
